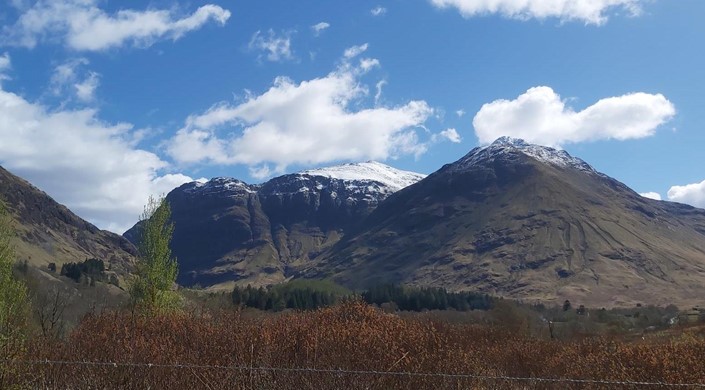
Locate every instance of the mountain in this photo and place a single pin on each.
(227, 230)
(48, 232)
(530, 222)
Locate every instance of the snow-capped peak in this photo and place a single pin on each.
(510, 141)
(220, 185)
(393, 178)
(504, 145)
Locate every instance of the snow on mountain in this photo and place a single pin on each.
(394, 179)
(220, 185)
(370, 179)
(504, 145)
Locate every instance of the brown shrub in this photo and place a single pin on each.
(229, 350)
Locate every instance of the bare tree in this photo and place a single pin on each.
(49, 308)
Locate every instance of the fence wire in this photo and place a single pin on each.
(357, 372)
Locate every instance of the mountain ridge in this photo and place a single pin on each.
(509, 219)
(539, 225)
(229, 230)
(48, 232)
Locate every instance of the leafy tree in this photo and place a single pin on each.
(152, 291)
(14, 301)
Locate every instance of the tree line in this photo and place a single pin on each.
(426, 298)
(277, 298)
(308, 295)
(93, 268)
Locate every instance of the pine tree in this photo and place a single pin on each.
(152, 291)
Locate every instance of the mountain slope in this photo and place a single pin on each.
(228, 231)
(48, 232)
(528, 222)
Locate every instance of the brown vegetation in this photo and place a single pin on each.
(161, 353)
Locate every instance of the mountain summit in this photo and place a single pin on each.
(393, 179)
(510, 219)
(227, 230)
(531, 222)
(505, 146)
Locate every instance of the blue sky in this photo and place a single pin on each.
(103, 103)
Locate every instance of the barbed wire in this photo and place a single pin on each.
(353, 372)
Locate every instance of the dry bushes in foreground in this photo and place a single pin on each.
(352, 336)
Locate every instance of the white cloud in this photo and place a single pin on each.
(355, 51)
(311, 122)
(587, 11)
(693, 194)
(651, 195)
(88, 165)
(378, 87)
(540, 116)
(276, 47)
(261, 172)
(378, 11)
(70, 79)
(81, 25)
(5, 62)
(319, 27)
(5, 65)
(451, 135)
(65, 73)
(460, 113)
(85, 90)
(366, 64)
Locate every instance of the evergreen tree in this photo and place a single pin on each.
(14, 301)
(152, 291)
(566, 305)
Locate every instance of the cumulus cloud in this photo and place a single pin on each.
(586, 11)
(273, 46)
(319, 27)
(310, 122)
(693, 194)
(651, 195)
(82, 25)
(62, 151)
(460, 113)
(378, 11)
(541, 116)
